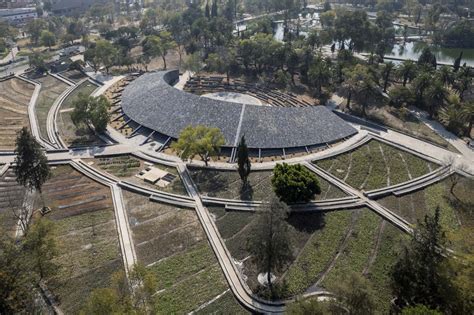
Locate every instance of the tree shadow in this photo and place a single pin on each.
(208, 181)
(246, 191)
(308, 222)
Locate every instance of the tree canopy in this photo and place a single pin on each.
(294, 183)
(199, 140)
(93, 110)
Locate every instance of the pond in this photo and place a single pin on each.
(412, 50)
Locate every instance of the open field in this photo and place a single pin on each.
(51, 88)
(88, 241)
(11, 196)
(375, 165)
(456, 209)
(127, 166)
(227, 184)
(15, 95)
(172, 243)
(71, 134)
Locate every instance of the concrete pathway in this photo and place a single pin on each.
(10, 56)
(454, 140)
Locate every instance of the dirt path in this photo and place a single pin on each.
(375, 250)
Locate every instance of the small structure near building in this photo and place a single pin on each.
(156, 176)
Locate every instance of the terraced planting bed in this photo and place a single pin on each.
(127, 166)
(12, 195)
(51, 88)
(376, 165)
(86, 234)
(227, 184)
(15, 95)
(172, 243)
(326, 247)
(456, 209)
(313, 236)
(72, 135)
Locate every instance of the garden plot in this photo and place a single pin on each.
(126, 167)
(86, 233)
(456, 208)
(15, 95)
(314, 238)
(51, 88)
(172, 243)
(376, 165)
(223, 304)
(72, 135)
(12, 196)
(326, 247)
(227, 184)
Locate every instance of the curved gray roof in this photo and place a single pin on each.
(152, 102)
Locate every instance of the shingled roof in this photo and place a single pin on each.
(153, 102)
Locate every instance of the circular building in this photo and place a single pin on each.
(151, 101)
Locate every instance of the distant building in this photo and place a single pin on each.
(13, 4)
(72, 7)
(18, 16)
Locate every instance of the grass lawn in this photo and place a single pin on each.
(86, 234)
(376, 165)
(72, 135)
(51, 88)
(227, 184)
(127, 166)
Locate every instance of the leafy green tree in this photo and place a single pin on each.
(452, 114)
(31, 165)
(34, 28)
(221, 61)
(36, 60)
(400, 96)
(243, 160)
(355, 294)
(270, 243)
(359, 81)
(47, 38)
(17, 278)
(386, 74)
(91, 110)
(158, 46)
(427, 58)
(200, 140)
(436, 93)
(419, 276)
(468, 115)
(104, 53)
(310, 306)
(124, 296)
(194, 64)
(40, 242)
(294, 183)
(419, 310)
(319, 74)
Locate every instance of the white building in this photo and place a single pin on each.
(19, 15)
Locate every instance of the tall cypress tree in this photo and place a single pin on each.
(214, 9)
(243, 160)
